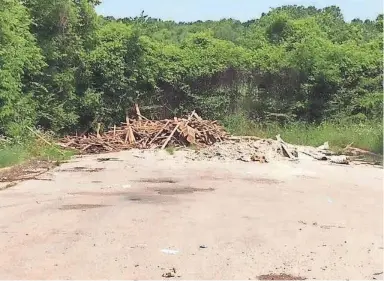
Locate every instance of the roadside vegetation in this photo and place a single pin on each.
(364, 135)
(302, 72)
(34, 149)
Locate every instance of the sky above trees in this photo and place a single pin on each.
(192, 10)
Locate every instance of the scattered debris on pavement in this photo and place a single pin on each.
(246, 150)
(339, 159)
(208, 137)
(378, 276)
(282, 276)
(108, 159)
(169, 251)
(31, 170)
(171, 273)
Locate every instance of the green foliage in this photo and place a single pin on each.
(170, 150)
(29, 149)
(20, 59)
(64, 30)
(64, 68)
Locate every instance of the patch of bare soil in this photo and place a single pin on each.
(263, 150)
(282, 276)
(26, 171)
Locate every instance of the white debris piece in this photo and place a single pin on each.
(339, 159)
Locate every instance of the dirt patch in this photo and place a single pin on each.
(82, 206)
(9, 185)
(180, 190)
(82, 169)
(26, 171)
(159, 180)
(282, 276)
(243, 150)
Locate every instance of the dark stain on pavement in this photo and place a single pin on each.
(158, 180)
(82, 169)
(180, 190)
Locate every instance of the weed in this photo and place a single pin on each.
(16, 153)
(170, 149)
(365, 135)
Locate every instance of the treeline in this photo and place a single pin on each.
(64, 68)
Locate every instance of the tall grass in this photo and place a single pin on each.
(367, 135)
(22, 151)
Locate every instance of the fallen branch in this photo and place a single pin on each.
(39, 136)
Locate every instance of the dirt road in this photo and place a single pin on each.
(144, 214)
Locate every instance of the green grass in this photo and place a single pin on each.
(367, 135)
(170, 149)
(13, 154)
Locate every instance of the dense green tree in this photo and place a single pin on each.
(20, 61)
(65, 68)
(64, 30)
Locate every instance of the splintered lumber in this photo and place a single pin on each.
(174, 130)
(145, 134)
(170, 136)
(284, 147)
(161, 130)
(98, 130)
(138, 111)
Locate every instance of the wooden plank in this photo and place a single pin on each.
(159, 132)
(174, 130)
(285, 147)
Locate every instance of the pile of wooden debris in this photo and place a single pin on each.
(145, 133)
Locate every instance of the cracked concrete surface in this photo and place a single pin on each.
(223, 220)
